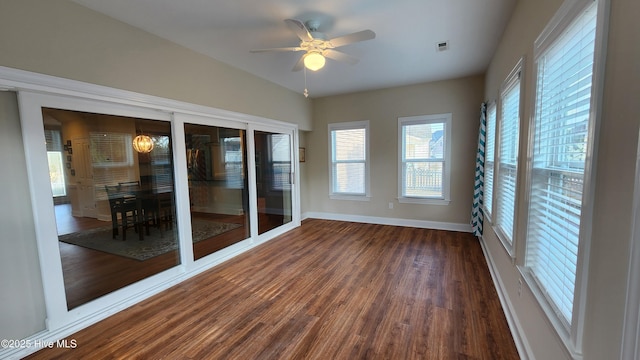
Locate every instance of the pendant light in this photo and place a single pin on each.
(143, 144)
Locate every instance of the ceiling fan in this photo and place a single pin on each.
(316, 45)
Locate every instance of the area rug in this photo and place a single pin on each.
(154, 244)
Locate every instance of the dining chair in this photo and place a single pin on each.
(166, 209)
(123, 208)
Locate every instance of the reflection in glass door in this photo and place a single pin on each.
(273, 179)
(114, 205)
(218, 191)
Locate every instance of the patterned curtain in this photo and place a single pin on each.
(478, 190)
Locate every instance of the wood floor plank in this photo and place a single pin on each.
(326, 290)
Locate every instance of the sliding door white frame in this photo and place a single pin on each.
(295, 189)
(36, 91)
(31, 104)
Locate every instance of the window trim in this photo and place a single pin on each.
(445, 119)
(515, 78)
(568, 12)
(364, 124)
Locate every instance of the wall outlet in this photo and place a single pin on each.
(390, 205)
(520, 287)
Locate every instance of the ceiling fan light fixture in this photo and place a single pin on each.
(314, 61)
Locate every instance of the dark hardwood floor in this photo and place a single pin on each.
(67, 223)
(326, 290)
(89, 274)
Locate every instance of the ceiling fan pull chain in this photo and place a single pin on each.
(306, 92)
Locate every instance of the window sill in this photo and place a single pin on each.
(561, 329)
(506, 244)
(487, 215)
(423, 201)
(350, 197)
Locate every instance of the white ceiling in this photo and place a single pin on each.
(404, 51)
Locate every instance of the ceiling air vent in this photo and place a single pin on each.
(442, 46)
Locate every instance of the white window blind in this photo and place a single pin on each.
(349, 162)
(161, 161)
(111, 160)
(507, 169)
(111, 149)
(489, 158)
(560, 141)
(53, 139)
(233, 153)
(280, 161)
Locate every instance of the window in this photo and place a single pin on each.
(111, 160)
(161, 165)
(349, 157)
(489, 158)
(424, 165)
(232, 153)
(506, 171)
(109, 149)
(561, 143)
(56, 173)
(280, 161)
(56, 163)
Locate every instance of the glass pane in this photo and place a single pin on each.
(349, 144)
(273, 179)
(424, 141)
(510, 125)
(350, 178)
(218, 192)
(423, 179)
(116, 223)
(489, 158)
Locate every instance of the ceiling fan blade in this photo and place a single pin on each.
(285, 49)
(352, 38)
(340, 56)
(299, 29)
(299, 65)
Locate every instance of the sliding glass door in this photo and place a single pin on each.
(274, 179)
(218, 187)
(130, 199)
(113, 201)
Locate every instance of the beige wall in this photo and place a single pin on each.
(617, 144)
(61, 38)
(22, 310)
(461, 97)
(304, 171)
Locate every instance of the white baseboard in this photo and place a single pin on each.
(522, 345)
(425, 224)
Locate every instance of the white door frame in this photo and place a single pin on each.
(36, 91)
(295, 189)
